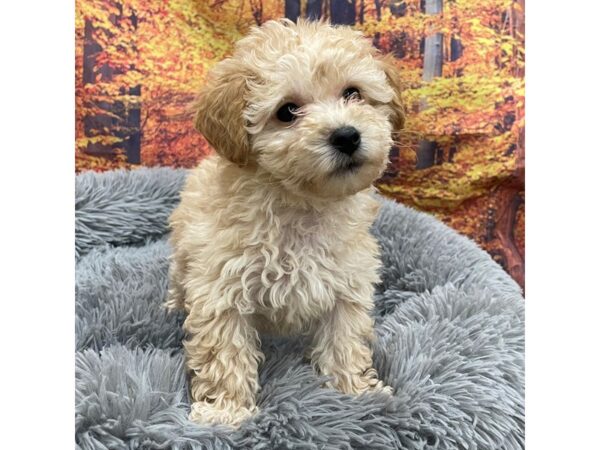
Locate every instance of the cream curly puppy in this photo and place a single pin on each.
(272, 232)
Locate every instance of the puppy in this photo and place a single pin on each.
(272, 232)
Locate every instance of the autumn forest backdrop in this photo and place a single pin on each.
(139, 64)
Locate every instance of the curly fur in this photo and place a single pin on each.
(272, 233)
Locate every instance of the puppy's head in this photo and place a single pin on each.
(313, 105)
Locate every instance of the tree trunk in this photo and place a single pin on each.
(434, 49)
(378, 10)
(398, 9)
(510, 193)
(426, 154)
(120, 120)
(313, 9)
(256, 6)
(94, 124)
(508, 201)
(133, 141)
(518, 29)
(432, 67)
(456, 48)
(133, 138)
(361, 9)
(509, 198)
(452, 151)
(292, 9)
(343, 12)
(90, 49)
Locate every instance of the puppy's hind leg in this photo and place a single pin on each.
(223, 355)
(176, 292)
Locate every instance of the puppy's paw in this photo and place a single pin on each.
(374, 384)
(229, 413)
(380, 387)
(359, 384)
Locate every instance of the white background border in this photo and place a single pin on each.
(562, 224)
(37, 128)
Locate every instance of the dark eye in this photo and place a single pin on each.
(351, 92)
(287, 113)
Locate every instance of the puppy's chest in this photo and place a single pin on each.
(295, 271)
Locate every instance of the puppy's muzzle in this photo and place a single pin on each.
(345, 139)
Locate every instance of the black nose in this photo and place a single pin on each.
(345, 139)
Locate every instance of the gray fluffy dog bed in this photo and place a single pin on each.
(449, 340)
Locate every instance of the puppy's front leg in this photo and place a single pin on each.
(223, 354)
(340, 349)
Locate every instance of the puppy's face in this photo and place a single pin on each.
(313, 105)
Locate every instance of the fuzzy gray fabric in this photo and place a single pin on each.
(449, 326)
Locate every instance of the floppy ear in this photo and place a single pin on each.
(219, 113)
(393, 78)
